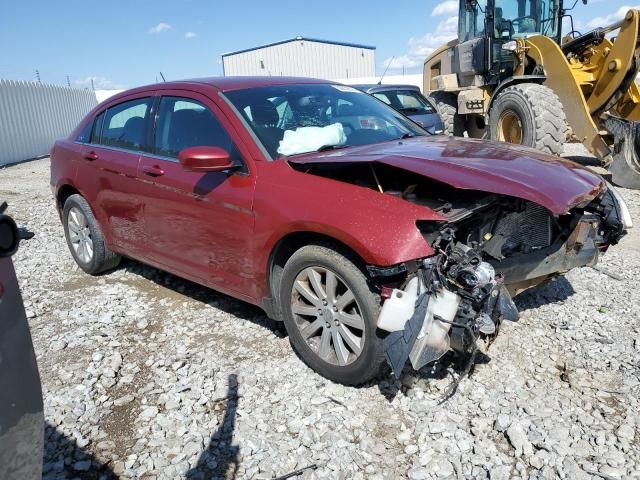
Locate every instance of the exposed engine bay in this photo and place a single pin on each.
(489, 248)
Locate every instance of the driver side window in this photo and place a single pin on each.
(184, 122)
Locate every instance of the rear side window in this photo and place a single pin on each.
(85, 134)
(124, 124)
(383, 97)
(186, 123)
(91, 131)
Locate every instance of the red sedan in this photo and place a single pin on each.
(367, 236)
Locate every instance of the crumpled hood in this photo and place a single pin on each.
(555, 183)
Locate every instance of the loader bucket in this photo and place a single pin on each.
(625, 167)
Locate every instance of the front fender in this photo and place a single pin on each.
(380, 228)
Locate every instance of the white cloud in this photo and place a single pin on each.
(99, 83)
(160, 28)
(421, 47)
(609, 19)
(190, 35)
(448, 7)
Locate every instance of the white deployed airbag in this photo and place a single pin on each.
(310, 139)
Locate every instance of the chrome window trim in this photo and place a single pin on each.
(244, 172)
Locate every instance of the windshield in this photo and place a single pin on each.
(409, 102)
(523, 18)
(294, 119)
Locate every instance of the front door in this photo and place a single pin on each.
(470, 53)
(198, 225)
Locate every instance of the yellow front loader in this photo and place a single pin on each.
(512, 76)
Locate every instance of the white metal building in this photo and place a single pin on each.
(303, 57)
(34, 115)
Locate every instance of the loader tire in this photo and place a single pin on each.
(447, 106)
(529, 114)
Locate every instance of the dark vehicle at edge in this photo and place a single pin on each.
(21, 409)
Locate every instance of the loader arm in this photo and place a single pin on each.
(594, 76)
(565, 80)
(617, 62)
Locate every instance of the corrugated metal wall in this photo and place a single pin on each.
(33, 116)
(303, 58)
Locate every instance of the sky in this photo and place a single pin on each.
(123, 44)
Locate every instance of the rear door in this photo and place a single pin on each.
(108, 174)
(199, 225)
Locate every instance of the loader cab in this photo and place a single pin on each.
(484, 26)
(522, 18)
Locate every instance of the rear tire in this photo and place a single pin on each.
(354, 322)
(84, 237)
(529, 114)
(447, 106)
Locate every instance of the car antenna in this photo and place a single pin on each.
(385, 70)
(163, 79)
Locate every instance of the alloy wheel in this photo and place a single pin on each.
(80, 235)
(328, 316)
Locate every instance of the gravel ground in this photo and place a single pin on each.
(149, 376)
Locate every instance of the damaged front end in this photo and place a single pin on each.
(505, 224)
(490, 248)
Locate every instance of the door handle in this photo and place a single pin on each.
(152, 171)
(91, 156)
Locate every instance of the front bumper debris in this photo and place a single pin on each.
(448, 304)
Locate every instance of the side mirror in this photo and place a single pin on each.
(205, 159)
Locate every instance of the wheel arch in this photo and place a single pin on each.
(516, 79)
(285, 247)
(64, 192)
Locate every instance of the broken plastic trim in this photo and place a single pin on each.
(393, 270)
(398, 345)
(623, 212)
(505, 306)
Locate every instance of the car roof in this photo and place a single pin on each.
(237, 83)
(224, 84)
(374, 87)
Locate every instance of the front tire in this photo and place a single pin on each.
(331, 314)
(84, 237)
(529, 114)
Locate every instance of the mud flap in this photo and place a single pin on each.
(625, 167)
(398, 345)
